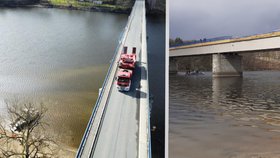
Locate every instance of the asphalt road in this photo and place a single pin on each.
(118, 137)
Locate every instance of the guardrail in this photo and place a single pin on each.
(97, 104)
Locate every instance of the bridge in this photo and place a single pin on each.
(120, 122)
(226, 58)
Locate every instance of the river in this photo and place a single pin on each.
(225, 117)
(60, 58)
(156, 63)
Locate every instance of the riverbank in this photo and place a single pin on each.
(59, 149)
(78, 5)
(96, 8)
(85, 6)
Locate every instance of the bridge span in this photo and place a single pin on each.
(226, 59)
(120, 123)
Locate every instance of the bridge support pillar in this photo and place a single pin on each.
(227, 65)
(173, 66)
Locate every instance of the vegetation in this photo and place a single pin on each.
(25, 136)
(76, 3)
(124, 6)
(177, 41)
(86, 5)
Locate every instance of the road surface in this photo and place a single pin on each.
(119, 133)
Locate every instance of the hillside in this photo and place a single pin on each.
(154, 6)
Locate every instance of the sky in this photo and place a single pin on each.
(198, 19)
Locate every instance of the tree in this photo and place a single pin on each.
(25, 136)
(178, 40)
(171, 42)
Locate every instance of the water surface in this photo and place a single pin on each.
(225, 117)
(60, 58)
(156, 59)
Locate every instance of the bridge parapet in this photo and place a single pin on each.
(144, 150)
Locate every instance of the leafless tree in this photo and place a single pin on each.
(25, 134)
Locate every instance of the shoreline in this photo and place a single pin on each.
(117, 10)
(91, 9)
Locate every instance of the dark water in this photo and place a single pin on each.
(225, 117)
(156, 59)
(60, 58)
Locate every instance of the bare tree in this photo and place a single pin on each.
(25, 136)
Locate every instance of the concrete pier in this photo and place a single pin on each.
(227, 65)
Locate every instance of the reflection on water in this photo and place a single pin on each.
(225, 117)
(60, 58)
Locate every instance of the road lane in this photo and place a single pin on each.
(119, 131)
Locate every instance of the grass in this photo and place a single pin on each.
(78, 4)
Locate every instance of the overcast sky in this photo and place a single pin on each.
(196, 19)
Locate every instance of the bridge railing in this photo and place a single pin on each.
(121, 40)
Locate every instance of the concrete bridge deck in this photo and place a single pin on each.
(119, 126)
(269, 41)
